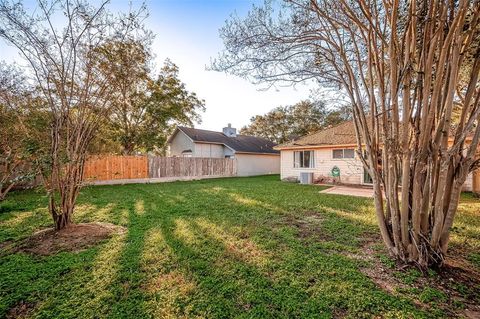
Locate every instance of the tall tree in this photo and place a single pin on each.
(17, 106)
(145, 109)
(410, 63)
(285, 123)
(56, 40)
(272, 126)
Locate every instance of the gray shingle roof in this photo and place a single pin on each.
(240, 143)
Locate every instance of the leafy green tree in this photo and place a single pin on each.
(272, 126)
(290, 122)
(23, 124)
(338, 115)
(168, 104)
(145, 109)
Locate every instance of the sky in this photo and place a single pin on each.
(187, 32)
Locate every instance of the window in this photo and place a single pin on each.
(337, 153)
(343, 153)
(348, 153)
(303, 159)
(187, 153)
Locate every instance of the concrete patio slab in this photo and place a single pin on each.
(350, 191)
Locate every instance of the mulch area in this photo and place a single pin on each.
(73, 238)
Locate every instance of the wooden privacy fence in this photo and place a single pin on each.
(109, 167)
(159, 167)
(113, 167)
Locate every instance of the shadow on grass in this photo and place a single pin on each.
(216, 248)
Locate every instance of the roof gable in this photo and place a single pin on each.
(341, 134)
(240, 143)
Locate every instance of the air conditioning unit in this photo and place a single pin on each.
(306, 178)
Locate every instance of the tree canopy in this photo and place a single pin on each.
(145, 107)
(24, 127)
(285, 123)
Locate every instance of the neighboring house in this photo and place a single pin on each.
(330, 153)
(254, 155)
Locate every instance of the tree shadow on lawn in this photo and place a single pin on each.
(231, 279)
(210, 249)
(21, 214)
(215, 282)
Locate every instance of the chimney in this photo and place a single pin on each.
(230, 131)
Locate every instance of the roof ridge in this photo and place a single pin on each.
(200, 129)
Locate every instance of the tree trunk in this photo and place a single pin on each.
(64, 183)
(62, 220)
(128, 147)
(4, 191)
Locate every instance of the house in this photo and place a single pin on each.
(253, 155)
(331, 153)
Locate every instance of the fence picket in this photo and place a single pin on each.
(160, 167)
(98, 168)
(110, 167)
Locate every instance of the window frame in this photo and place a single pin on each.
(343, 153)
(300, 160)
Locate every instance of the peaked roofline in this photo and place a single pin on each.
(239, 143)
(322, 139)
(324, 144)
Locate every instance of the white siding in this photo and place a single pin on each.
(228, 151)
(208, 150)
(351, 170)
(181, 142)
(257, 164)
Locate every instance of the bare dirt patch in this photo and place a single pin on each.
(75, 237)
(307, 226)
(20, 310)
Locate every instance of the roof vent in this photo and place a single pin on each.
(230, 131)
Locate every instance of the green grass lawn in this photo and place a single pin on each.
(239, 247)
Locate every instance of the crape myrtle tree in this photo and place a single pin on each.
(410, 70)
(57, 41)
